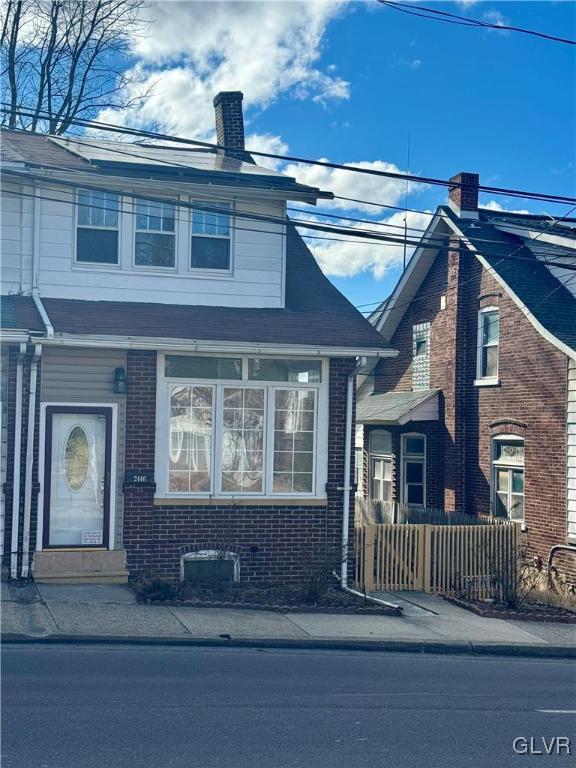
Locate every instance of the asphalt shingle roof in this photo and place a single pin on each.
(390, 407)
(542, 293)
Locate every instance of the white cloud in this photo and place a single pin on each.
(493, 205)
(346, 259)
(266, 142)
(386, 191)
(495, 17)
(265, 49)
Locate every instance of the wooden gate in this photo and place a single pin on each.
(434, 558)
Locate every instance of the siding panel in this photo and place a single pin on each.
(86, 376)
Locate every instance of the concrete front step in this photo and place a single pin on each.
(101, 566)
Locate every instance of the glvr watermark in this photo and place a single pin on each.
(556, 745)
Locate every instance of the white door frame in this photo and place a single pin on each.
(113, 466)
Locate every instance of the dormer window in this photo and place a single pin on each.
(97, 227)
(155, 236)
(211, 237)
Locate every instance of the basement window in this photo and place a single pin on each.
(210, 567)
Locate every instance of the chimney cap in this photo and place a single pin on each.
(227, 96)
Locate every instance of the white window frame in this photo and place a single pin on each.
(135, 230)
(482, 380)
(204, 271)
(162, 460)
(413, 457)
(509, 467)
(379, 456)
(100, 266)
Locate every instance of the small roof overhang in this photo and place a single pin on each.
(398, 407)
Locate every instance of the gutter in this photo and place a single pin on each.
(195, 345)
(16, 472)
(29, 461)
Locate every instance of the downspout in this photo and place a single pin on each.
(346, 488)
(16, 470)
(36, 267)
(29, 461)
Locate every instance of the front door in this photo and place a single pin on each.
(77, 476)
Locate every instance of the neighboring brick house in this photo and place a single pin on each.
(477, 413)
(176, 368)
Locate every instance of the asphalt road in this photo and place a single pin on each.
(154, 707)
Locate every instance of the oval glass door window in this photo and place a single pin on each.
(76, 458)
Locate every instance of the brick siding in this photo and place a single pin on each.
(530, 400)
(275, 542)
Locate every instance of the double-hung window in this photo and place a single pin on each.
(97, 227)
(381, 466)
(155, 236)
(210, 248)
(488, 344)
(508, 476)
(240, 426)
(414, 470)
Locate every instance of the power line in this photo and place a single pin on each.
(497, 320)
(380, 239)
(464, 21)
(291, 158)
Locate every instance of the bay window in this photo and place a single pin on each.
(508, 477)
(155, 235)
(97, 227)
(240, 426)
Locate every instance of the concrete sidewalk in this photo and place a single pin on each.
(110, 613)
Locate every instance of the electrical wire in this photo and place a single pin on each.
(291, 158)
(381, 239)
(452, 18)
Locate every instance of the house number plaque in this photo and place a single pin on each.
(139, 477)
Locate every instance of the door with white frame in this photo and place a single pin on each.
(77, 476)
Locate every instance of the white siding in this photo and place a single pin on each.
(86, 376)
(16, 243)
(3, 435)
(258, 262)
(571, 448)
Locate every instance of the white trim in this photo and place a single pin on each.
(113, 467)
(519, 303)
(412, 457)
(491, 380)
(509, 467)
(407, 274)
(320, 453)
(221, 347)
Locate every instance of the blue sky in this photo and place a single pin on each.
(354, 82)
(500, 104)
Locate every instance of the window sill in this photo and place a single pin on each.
(258, 501)
(486, 382)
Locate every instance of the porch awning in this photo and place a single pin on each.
(398, 407)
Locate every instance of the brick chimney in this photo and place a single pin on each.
(230, 123)
(463, 196)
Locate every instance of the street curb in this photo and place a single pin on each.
(345, 644)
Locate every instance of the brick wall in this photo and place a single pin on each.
(274, 542)
(530, 400)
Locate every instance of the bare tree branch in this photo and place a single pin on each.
(65, 58)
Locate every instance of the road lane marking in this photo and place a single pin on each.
(558, 711)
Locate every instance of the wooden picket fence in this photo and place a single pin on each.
(445, 559)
